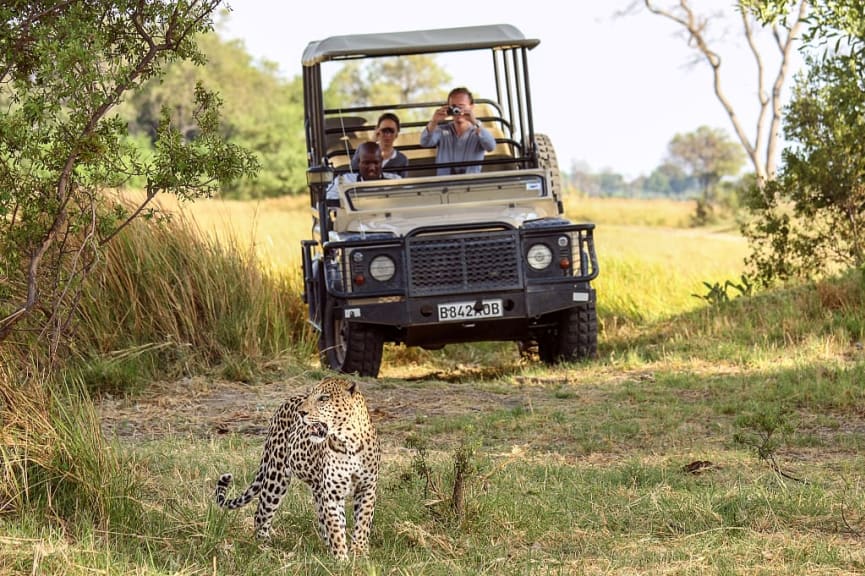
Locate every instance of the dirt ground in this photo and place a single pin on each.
(200, 407)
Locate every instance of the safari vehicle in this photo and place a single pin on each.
(431, 260)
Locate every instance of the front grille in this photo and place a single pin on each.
(464, 263)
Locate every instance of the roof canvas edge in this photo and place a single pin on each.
(415, 42)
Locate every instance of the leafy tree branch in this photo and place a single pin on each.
(65, 67)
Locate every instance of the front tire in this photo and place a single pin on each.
(575, 338)
(349, 347)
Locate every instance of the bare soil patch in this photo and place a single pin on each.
(202, 407)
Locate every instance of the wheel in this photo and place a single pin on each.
(575, 339)
(578, 333)
(547, 159)
(349, 347)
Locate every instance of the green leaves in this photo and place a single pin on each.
(195, 168)
(65, 67)
(811, 222)
(718, 294)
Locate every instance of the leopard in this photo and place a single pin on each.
(326, 439)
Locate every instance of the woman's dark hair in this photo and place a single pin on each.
(388, 116)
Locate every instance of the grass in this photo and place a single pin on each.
(654, 213)
(168, 301)
(581, 476)
(579, 469)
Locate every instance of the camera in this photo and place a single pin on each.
(454, 110)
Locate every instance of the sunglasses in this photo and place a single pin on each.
(387, 130)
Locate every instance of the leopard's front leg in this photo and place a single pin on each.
(334, 524)
(364, 507)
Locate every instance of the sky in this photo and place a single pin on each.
(610, 91)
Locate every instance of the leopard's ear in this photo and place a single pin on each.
(350, 386)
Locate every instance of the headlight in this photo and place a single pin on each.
(539, 256)
(382, 268)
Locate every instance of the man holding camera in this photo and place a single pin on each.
(463, 139)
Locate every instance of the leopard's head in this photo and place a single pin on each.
(328, 406)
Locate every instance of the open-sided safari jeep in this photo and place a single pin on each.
(433, 260)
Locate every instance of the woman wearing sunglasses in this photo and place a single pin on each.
(386, 131)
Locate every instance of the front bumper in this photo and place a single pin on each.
(485, 263)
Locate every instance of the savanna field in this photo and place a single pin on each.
(719, 431)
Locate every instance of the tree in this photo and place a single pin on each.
(811, 222)
(413, 78)
(384, 80)
(261, 112)
(65, 68)
(707, 155)
(668, 179)
(762, 146)
(612, 183)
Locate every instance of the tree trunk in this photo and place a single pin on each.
(762, 147)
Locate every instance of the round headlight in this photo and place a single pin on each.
(539, 256)
(382, 268)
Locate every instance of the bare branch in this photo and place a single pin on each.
(762, 97)
(786, 52)
(151, 194)
(695, 28)
(847, 524)
(71, 291)
(684, 16)
(6, 324)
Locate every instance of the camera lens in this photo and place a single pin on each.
(454, 110)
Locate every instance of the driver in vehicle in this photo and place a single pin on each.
(369, 168)
(463, 139)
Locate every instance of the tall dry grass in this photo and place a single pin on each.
(53, 457)
(171, 296)
(270, 229)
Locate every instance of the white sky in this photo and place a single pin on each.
(611, 92)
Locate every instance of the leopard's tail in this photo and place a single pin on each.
(251, 492)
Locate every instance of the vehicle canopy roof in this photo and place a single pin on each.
(415, 42)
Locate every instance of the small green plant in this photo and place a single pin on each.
(719, 293)
(448, 503)
(765, 431)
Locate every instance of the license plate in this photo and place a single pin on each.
(467, 311)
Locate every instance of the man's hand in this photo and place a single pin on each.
(469, 115)
(438, 117)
